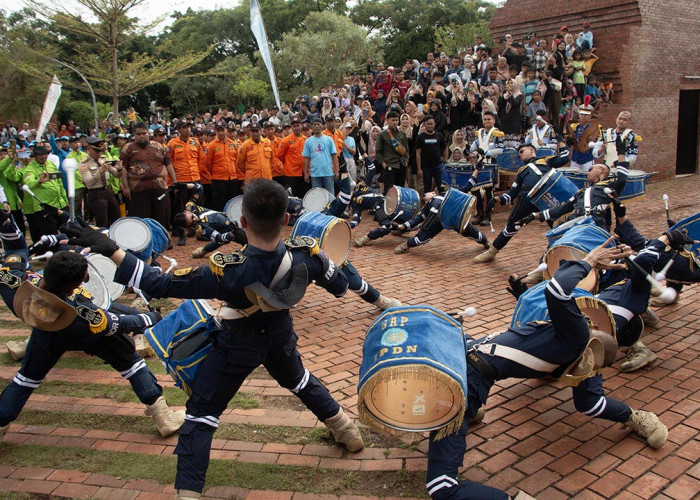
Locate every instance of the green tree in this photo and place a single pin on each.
(110, 74)
(455, 37)
(327, 47)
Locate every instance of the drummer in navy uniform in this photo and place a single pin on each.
(565, 348)
(258, 328)
(526, 179)
(210, 224)
(489, 141)
(619, 143)
(594, 200)
(61, 321)
(541, 134)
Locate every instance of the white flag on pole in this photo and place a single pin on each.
(258, 29)
(49, 105)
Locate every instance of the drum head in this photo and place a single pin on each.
(412, 402)
(391, 201)
(98, 288)
(556, 254)
(316, 199)
(543, 180)
(336, 242)
(234, 209)
(106, 269)
(130, 233)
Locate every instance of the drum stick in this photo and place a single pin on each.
(397, 215)
(164, 194)
(542, 267)
(492, 229)
(173, 264)
(665, 197)
(46, 256)
(27, 190)
(143, 297)
(667, 294)
(661, 275)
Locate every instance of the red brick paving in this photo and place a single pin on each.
(532, 438)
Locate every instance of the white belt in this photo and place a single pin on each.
(621, 311)
(516, 355)
(587, 201)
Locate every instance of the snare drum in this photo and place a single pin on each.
(97, 287)
(509, 160)
(105, 269)
(413, 372)
(456, 209)
(636, 184)
(333, 234)
(551, 190)
(575, 244)
(160, 238)
(181, 340)
(692, 225)
(545, 152)
(532, 306)
(555, 233)
(457, 175)
(317, 199)
(133, 234)
(576, 176)
(234, 209)
(403, 201)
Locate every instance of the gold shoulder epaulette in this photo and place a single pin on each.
(219, 261)
(303, 242)
(96, 318)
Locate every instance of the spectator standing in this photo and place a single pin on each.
(255, 156)
(290, 153)
(391, 152)
(276, 164)
(94, 169)
(578, 76)
(585, 38)
(44, 179)
(145, 167)
(431, 153)
(222, 154)
(320, 159)
(509, 106)
(184, 152)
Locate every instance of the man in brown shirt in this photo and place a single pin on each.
(144, 177)
(93, 169)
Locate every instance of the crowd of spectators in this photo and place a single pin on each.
(208, 157)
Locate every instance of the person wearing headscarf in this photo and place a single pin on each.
(440, 118)
(459, 141)
(509, 108)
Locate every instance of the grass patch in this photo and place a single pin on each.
(239, 432)
(4, 339)
(125, 394)
(6, 323)
(85, 363)
(244, 475)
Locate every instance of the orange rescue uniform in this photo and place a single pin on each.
(185, 157)
(277, 165)
(255, 159)
(289, 151)
(221, 160)
(338, 139)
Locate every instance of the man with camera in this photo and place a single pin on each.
(391, 152)
(93, 170)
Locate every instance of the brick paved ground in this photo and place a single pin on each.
(531, 439)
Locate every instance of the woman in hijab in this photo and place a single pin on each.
(440, 118)
(379, 107)
(503, 68)
(457, 101)
(459, 141)
(411, 130)
(326, 108)
(509, 108)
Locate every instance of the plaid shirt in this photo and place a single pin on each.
(539, 60)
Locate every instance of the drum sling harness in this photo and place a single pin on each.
(510, 353)
(587, 204)
(229, 313)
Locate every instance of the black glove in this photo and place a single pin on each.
(620, 146)
(670, 222)
(397, 227)
(480, 152)
(239, 236)
(155, 316)
(491, 203)
(49, 208)
(517, 287)
(4, 216)
(88, 237)
(619, 208)
(678, 238)
(525, 220)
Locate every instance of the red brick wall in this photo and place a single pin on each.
(646, 46)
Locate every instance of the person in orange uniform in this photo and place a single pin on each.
(277, 165)
(255, 156)
(289, 152)
(204, 177)
(222, 154)
(184, 152)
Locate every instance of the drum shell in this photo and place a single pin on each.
(413, 372)
(636, 185)
(576, 176)
(333, 234)
(532, 306)
(317, 199)
(557, 190)
(456, 209)
(692, 225)
(401, 199)
(558, 231)
(575, 244)
(234, 209)
(97, 288)
(509, 160)
(457, 176)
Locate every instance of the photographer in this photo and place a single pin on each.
(93, 170)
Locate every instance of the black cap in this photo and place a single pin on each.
(231, 125)
(159, 131)
(74, 138)
(296, 120)
(41, 150)
(330, 118)
(94, 141)
(183, 124)
(221, 124)
(254, 125)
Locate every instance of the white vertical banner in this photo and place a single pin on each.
(49, 105)
(258, 28)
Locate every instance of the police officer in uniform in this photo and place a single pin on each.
(94, 169)
(63, 320)
(259, 284)
(562, 348)
(210, 224)
(526, 179)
